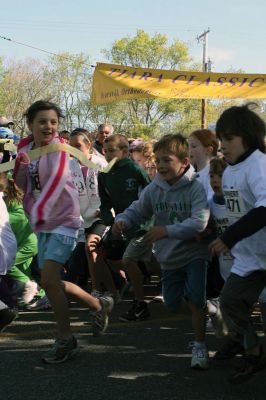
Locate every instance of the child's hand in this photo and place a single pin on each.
(218, 247)
(23, 158)
(155, 233)
(118, 228)
(97, 213)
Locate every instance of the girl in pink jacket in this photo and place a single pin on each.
(52, 203)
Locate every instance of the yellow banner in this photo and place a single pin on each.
(117, 82)
(53, 148)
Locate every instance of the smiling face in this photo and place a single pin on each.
(232, 148)
(44, 126)
(169, 166)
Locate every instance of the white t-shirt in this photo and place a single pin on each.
(244, 188)
(88, 189)
(220, 216)
(8, 244)
(203, 177)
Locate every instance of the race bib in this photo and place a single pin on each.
(234, 203)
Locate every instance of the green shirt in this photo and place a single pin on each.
(120, 187)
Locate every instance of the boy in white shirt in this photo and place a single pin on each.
(242, 133)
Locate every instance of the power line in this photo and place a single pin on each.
(27, 45)
(39, 49)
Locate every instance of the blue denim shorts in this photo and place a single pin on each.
(55, 247)
(188, 282)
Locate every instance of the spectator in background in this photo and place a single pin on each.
(65, 135)
(104, 130)
(6, 123)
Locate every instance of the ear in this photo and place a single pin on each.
(185, 162)
(125, 152)
(30, 126)
(209, 150)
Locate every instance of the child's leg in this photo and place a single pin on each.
(51, 282)
(21, 270)
(99, 270)
(198, 315)
(136, 277)
(137, 250)
(237, 299)
(77, 266)
(5, 294)
(195, 292)
(189, 282)
(74, 290)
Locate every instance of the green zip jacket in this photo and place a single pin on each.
(21, 227)
(120, 187)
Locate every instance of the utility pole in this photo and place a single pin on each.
(205, 67)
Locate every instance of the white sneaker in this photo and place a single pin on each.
(29, 292)
(200, 357)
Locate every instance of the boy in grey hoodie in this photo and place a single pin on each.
(179, 204)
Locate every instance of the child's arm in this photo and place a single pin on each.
(21, 171)
(252, 221)
(246, 226)
(138, 212)
(118, 228)
(8, 244)
(106, 203)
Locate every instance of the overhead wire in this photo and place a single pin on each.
(42, 50)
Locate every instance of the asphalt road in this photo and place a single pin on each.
(134, 361)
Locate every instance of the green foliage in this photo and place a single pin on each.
(71, 78)
(145, 51)
(67, 79)
(150, 117)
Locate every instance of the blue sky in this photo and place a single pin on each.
(236, 40)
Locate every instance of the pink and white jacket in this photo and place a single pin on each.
(58, 202)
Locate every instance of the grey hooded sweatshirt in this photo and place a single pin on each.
(182, 208)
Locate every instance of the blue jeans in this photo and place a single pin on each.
(188, 282)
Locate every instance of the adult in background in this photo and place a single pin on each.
(65, 135)
(104, 130)
(6, 123)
